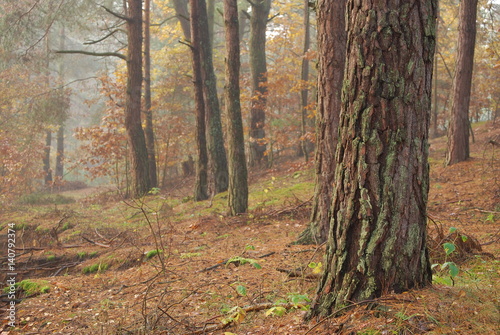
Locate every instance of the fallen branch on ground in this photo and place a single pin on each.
(96, 243)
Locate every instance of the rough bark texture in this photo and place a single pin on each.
(458, 131)
(181, 9)
(216, 152)
(201, 177)
(258, 67)
(331, 45)
(304, 76)
(377, 242)
(238, 183)
(133, 125)
(149, 132)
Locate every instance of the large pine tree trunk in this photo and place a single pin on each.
(215, 140)
(258, 68)
(133, 125)
(149, 132)
(201, 177)
(331, 45)
(238, 183)
(458, 131)
(377, 242)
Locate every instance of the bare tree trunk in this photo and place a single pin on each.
(48, 135)
(201, 178)
(242, 20)
(216, 150)
(458, 131)
(435, 107)
(331, 46)
(60, 152)
(181, 9)
(211, 21)
(258, 67)
(304, 76)
(377, 241)
(133, 125)
(46, 158)
(149, 132)
(238, 183)
(59, 172)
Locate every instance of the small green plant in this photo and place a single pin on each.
(45, 199)
(451, 267)
(185, 255)
(299, 301)
(490, 218)
(276, 311)
(236, 315)
(316, 267)
(98, 267)
(31, 287)
(66, 226)
(81, 254)
(93, 254)
(295, 301)
(152, 253)
(40, 229)
(154, 191)
(238, 260)
(50, 258)
(241, 289)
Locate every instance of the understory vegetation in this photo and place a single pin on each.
(164, 264)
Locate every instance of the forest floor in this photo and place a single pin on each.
(91, 266)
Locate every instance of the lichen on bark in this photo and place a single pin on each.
(377, 238)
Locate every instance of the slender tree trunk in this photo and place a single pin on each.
(149, 132)
(258, 68)
(332, 47)
(211, 21)
(458, 131)
(304, 76)
(435, 107)
(242, 20)
(48, 135)
(46, 158)
(59, 172)
(133, 125)
(238, 183)
(216, 151)
(377, 242)
(181, 9)
(201, 178)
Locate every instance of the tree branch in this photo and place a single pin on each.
(102, 39)
(273, 17)
(163, 22)
(186, 43)
(118, 15)
(247, 14)
(97, 54)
